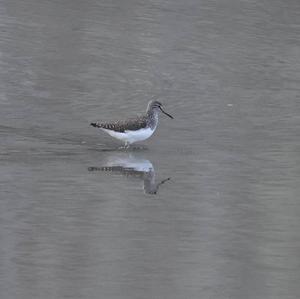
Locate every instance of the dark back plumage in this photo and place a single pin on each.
(131, 124)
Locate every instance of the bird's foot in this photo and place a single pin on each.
(124, 147)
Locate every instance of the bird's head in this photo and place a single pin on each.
(156, 106)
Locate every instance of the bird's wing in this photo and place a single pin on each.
(132, 124)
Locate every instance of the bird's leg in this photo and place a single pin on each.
(127, 145)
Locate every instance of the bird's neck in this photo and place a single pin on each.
(152, 118)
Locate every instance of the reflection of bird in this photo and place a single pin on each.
(132, 166)
(135, 129)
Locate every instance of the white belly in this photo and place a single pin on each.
(131, 136)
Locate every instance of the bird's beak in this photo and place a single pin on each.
(165, 112)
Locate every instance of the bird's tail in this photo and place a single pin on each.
(96, 125)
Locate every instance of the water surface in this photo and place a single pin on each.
(209, 207)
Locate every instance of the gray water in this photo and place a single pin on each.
(208, 207)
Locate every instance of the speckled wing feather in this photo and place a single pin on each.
(132, 124)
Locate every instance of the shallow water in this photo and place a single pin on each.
(208, 207)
